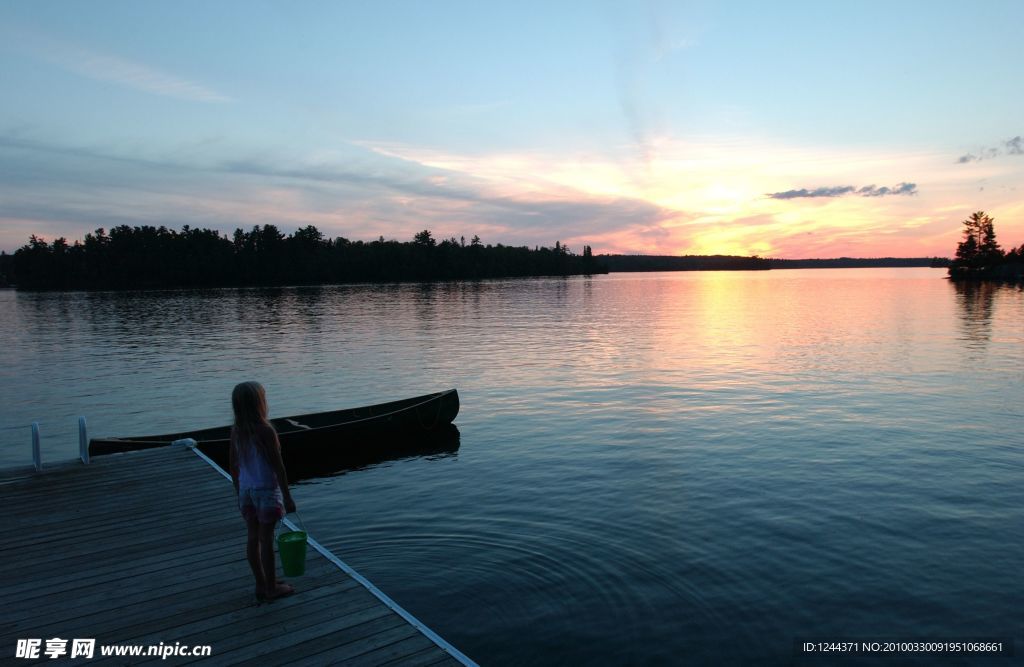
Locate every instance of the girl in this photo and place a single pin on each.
(261, 484)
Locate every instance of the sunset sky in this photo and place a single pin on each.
(793, 129)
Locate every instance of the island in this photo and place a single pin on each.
(147, 257)
(980, 257)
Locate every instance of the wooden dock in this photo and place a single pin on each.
(148, 548)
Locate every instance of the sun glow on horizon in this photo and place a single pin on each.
(686, 197)
(598, 124)
(715, 197)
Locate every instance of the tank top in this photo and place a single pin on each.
(254, 472)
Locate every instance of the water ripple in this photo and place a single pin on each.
(653, 469)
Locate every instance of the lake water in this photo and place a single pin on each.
(654, 468)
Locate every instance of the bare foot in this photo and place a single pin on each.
(261, 595)
(282, 590)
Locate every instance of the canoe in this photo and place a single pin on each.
(354, 433)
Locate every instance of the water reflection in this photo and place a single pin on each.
(426, 306)
(976, 302)
(656, 468)
(349, 456)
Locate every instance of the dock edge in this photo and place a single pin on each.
(379, 594)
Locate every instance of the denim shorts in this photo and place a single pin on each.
(261, 505)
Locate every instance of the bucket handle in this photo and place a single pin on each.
(279, 530)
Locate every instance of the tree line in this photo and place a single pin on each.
(640, 263)
(980, 257)
(141, 257)
(859, 263)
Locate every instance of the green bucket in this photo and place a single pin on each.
(292, 547)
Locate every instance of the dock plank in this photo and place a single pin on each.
(294, 637)
(192, 555)
(391, 652)
(382, 636)
(428, 657)
(196, 628)
(148, 547)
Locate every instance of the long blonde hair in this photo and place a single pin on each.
(249, 402)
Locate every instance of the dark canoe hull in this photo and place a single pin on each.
(321, 438)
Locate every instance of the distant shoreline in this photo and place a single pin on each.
(595, 265)
(861, 263)
(646, 263)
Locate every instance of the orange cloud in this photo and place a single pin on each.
(715, 194)
(700, 196)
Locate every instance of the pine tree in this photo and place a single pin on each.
(989, 251)
(979, 247)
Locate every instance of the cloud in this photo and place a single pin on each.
(837, 191)
(705, 197)
(901, 189)
(627, 83)
(1014, 146)
(471, 201)
(99, 66)
(571, 211)
(841, 190)
(983, 154)
(140, 77)
(71, 190)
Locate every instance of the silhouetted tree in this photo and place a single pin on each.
(424, 238)
(979, 247)
(978, 255)
(967, 251)
(990, 251)
(6, 269)
(146, 257)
